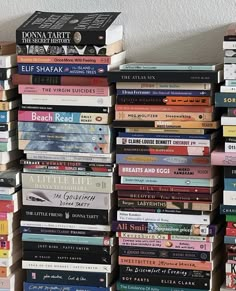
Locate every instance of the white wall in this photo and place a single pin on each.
(155, 30)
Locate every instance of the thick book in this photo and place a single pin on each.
(69, 28)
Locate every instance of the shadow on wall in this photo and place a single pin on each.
(205, 46)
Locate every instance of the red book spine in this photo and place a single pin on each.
(7, 206)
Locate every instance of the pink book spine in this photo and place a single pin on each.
(166, 244)
(5, 283)
(220, 158)
(3, 216)
(43, 116)
(166, 171)
(64, 90)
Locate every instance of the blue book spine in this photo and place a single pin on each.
(225, 100)
(229, 239)
(63, 69)
(63, 239)
(227, 209)
(144, 92)
(166, 181)
(174, 136)
(230, 184)
(53, 287)
(161, 160)
(64, 128)
(132, 287)
(63, 146)
(6, 197)
(4, 116)
(87, 138)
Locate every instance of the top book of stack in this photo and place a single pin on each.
(47, 28)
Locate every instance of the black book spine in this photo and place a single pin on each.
(69, 248)
(65, 215)
(164, 253)
(68, 278)
(67, 257)
(86, 109)
(229, 172)
(155, 271)
(166, 281)
(3, 74)
(3, 127)
(124, 123)
(164, 76)
(230, 38)
(42, 230)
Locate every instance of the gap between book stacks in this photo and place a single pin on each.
(114, 175)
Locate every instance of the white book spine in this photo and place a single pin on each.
(229, 45)
(228, 89)
(230, 147)
(162, 217)
(162, 141)
(65, 225)
(61, 266)
(228, 120)
(229, 198)
(99, 101)
(230, 268)
(8, 61)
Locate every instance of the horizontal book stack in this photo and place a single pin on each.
(65, 131)
(11, 275)
(226, 155)
(169, 194)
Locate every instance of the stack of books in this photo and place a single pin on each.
(169, 194)
(226, 155)
(10, 181)
(65, 131)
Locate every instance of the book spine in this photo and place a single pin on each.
(68, 60)
(7, 206)
(64, 128)
(63, 69)
(166, 171)
(167, 281)
(148, 108)
(172, 196)
(160, 217)
(66, 247)
(231, 112)
(229, 184)
(67, 277)
(159, 272)
(149, 236)
(63, 146)
(163, 86)
(224, 100)
(166, 244)
(61, 117)
(3, 74)
(163, 253)
(64, 90)
(4, 116)
(61, 266)
(73, 100)
(164, 100)
(230, 268)
(66, 226)
(165, 188)
(65, 215)
(151, 116)
(230, 281)
(83, 240)
(230, 232)
(174, 181)
(230, 147)
(164, 160)
(163, 149)
(67, 257)
(156, 92)
(175, 264)
(45, 287)
(80, 109)
(165, 76)
(66, 199)
(18, 79)
(66, 38)
(164, 228)
(161, 205)
(227, 209)
(68, 183)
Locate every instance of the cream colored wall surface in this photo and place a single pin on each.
(155, 30)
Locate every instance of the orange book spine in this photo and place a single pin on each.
(187, 124)
(166, 263)
(3, 272)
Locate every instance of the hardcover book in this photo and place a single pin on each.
(69, 28)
